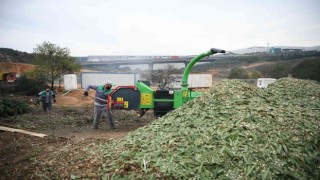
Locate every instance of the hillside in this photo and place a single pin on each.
(277, 67)
(10, 55)
(261, 49)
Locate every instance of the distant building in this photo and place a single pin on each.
(275, 50)
(81, 59)
(256, 49)
(310, 52)
(291, 50)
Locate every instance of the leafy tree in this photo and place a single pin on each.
(53, 61)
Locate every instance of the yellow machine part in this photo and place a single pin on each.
(185, 94)
(146, 99)
(125, 104)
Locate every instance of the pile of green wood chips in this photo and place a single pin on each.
(235, 130)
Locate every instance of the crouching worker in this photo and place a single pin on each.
(46, 97)
(100, 104)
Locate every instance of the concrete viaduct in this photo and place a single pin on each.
(149, 61)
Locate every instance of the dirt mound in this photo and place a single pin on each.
(75, 98)
(88, 70)
(75, 93)
(65, 100)
(16, 67)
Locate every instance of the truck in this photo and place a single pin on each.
(8, 76)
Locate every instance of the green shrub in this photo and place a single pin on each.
(29, 87)
(307, 69)
(9, 107)
(278, 70)
(240, 73)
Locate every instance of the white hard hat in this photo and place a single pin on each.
(109, 82)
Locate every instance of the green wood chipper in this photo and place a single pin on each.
(142, 97)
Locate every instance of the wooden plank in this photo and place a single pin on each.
(2, 128)
(7, 125)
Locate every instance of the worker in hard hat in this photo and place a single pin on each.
(100, 103)
(47, 97)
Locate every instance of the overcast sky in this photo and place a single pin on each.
(157, 27)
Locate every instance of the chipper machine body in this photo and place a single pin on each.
(142, 97)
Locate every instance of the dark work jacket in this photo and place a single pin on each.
(43, 96)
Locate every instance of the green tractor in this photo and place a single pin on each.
(142, 97)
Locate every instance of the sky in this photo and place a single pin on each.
(157, 27)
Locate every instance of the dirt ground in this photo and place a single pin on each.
(68, 125)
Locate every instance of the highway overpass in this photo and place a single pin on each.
(135, 60)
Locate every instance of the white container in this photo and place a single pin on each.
(70, 82)
(100, 78)
(200, 80)
(194, 81)
(264, 82)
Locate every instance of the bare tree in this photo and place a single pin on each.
(163, 76)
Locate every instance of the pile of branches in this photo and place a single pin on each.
(234, 130)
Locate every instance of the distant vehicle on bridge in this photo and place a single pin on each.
(117, 58)
(128, 58)
(167, 57)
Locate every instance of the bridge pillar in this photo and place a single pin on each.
(186, 64)
(150, 66)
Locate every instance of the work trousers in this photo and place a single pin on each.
(98, 110)
(46, 106)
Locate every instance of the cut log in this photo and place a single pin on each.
(2, 128)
